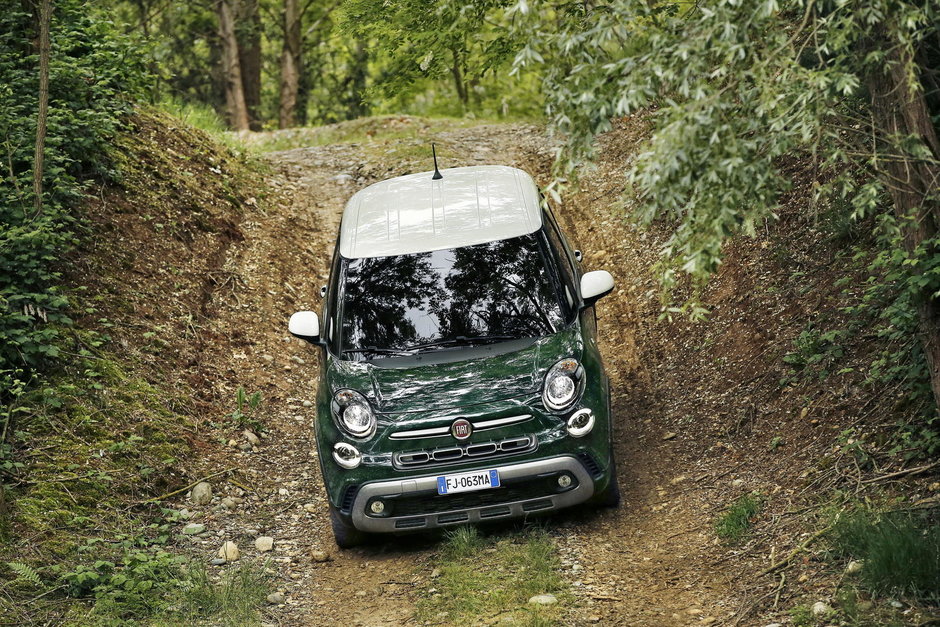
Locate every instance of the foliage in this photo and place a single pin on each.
(899, 551)
(93, 77)
(494, 575)
(466, 45)
(732, 525)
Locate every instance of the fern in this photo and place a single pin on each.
(25, 572)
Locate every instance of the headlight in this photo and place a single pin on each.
(562, 383)
(354, 413)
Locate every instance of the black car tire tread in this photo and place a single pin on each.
(346, 535)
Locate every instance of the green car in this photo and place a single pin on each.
(460, 378)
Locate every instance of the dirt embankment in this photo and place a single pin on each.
(701, 416)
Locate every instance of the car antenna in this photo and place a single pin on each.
(437, 173)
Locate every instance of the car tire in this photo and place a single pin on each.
(610, 496)
(345, 535)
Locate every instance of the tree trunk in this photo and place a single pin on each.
(291, 64)
(459, 83)
(249, 57)
(900, 109)
(231, 68)
(45, 10)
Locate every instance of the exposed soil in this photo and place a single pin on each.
(701, 417)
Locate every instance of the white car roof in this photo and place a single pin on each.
(413, 213)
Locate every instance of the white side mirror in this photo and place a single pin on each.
(595, 285)
(305, 325)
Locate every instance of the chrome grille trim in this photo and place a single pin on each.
(436, 432)
(451, 454)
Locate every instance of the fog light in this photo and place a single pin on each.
(580, 423)
(377, 507)
(346, 455)
(564, 481)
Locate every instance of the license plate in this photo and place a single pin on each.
(468, 481)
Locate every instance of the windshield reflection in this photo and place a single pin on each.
(499, 290)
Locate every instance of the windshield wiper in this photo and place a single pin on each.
(462, 340)
(378, 351)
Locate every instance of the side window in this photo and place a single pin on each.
(564, 262)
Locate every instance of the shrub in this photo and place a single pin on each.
(735, 523)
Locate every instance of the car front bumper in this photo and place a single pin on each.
(525, 488)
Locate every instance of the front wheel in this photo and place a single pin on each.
(346, 535)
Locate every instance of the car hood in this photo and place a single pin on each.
(438, 386)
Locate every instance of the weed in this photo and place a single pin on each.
(735, 523)
(900, 551)
(233, 601)
(495, 576)
(245, 408)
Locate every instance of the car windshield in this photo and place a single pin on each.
(463, 296)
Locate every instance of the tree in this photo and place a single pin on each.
(415, 39)
(738, 86)
(231, 67)
(45, 10)
(248, 35)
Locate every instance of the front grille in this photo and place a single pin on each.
(427, 502)
(452, 454)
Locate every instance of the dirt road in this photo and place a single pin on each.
(650, 562)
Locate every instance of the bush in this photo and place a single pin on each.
(900, 551)
(735, 523)
(93, 78)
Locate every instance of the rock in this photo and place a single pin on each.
(310, 507)
(319, 556)
(253, 439)
(297, 360)
(229, 552)
(821, 609)
(896, 604)
(233, 443)
(694, 611)
(737, 483)
(307, 403)
(264, 544)
(217, 561)
(193, 529)
(435, 573)
(669, 436)
(201, 494)
(543, 599)
(267, 358)
(245, 446)
(229, 503)
(774, 625)
(853, 568)
(276, 598)
(283, 492)
(708, 620)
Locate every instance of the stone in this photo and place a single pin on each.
(543, 599)
(276, 598)
(669, 436)
(435, 573)
(283, 492)
(217, 561)
(737, 483)
(319, 556)
(193, 529)
(307, 403)
(853, 568)
(264, 544)
(253, 439)
(245, 446)
(773, 625)
(310, 507)
(229, 503)
(820, 609)
(229, 552)
(694, 611)
(201, 494)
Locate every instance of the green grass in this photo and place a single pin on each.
(488, 577)
(734, 524)
(900, 551)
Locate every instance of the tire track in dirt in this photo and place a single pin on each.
(642, 564)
